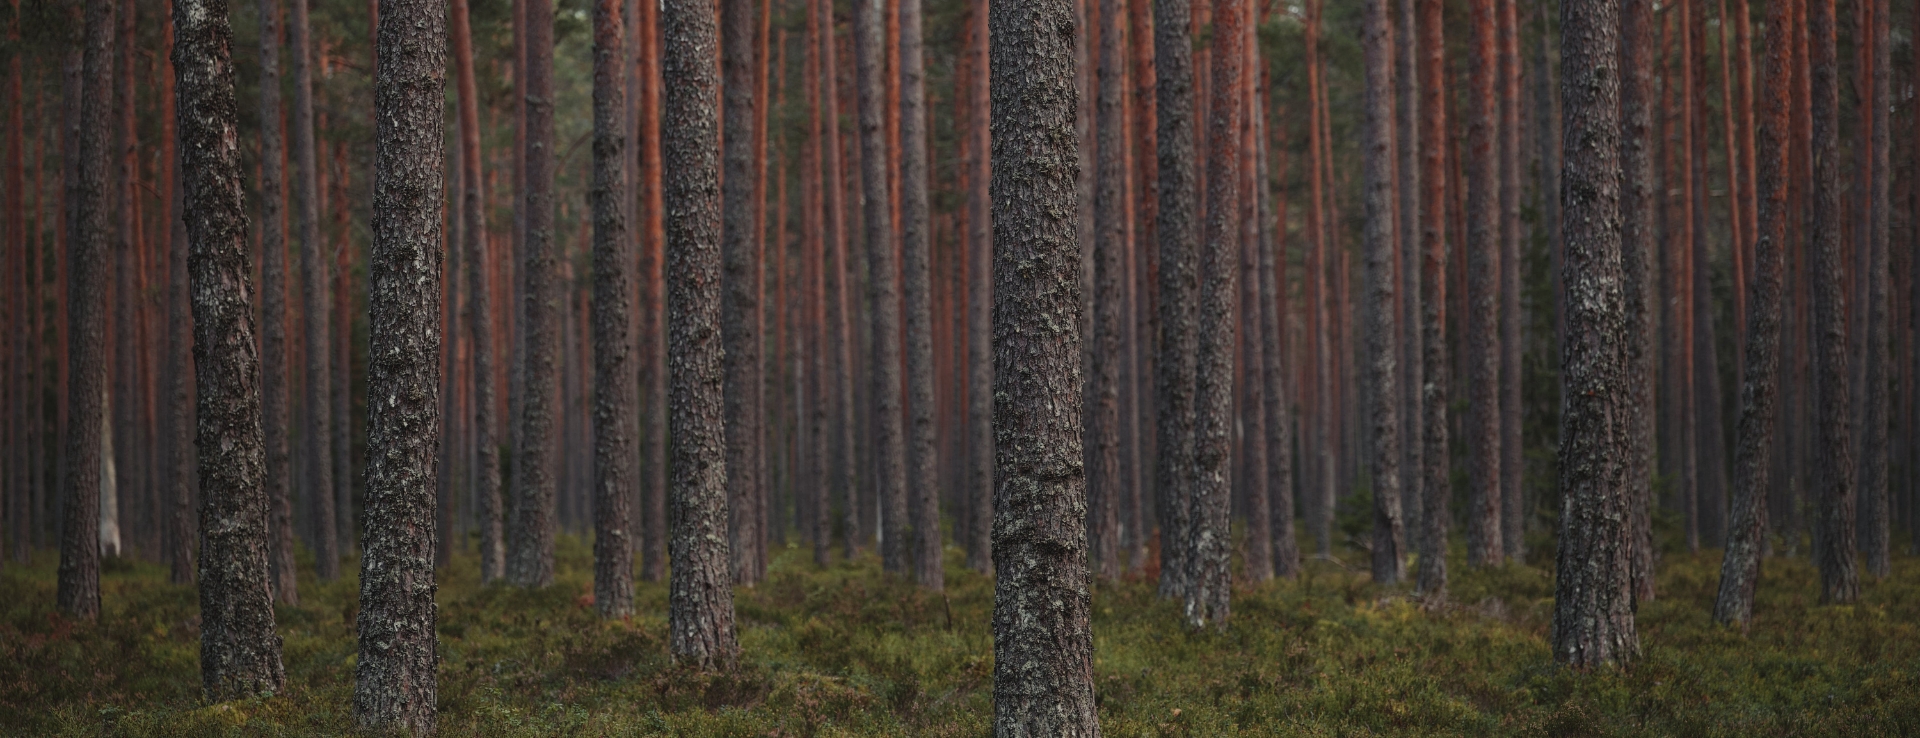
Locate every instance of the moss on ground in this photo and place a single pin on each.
(850, 651)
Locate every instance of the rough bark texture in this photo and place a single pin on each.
(273, 295)
(1210, 541)
(616, 381)
(1740, 570)
(1435, 481)
(1043, 639)
(1484, 543)
(1638, 236)
(883, 287)
(1832, 489)
(239, 651)
(1377, 236)
(1593, 602)
(740, 283)
(979, 252)
(531, 525)
(394, 682)
(78, 593)
(700, 601)
(1109, 297)
(1177, 231)
(923, 503)
(473, 234)
(1876, 536)
(316, 433)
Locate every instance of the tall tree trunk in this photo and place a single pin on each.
(1407, 253)
(740, 282)
(78, 592)
(653, 367)
(700, 602)
(1043, 641)
(341, 356)
(1710, 494)
(883, 291)
(1638, 236)
(1512, 459)
(1876, 515)
(1593, 604)
(531, 526)
(1210, 540)
(394, 682)
(1279, 395)
(473, 233)
(1832, 489)
(181, 543)
(615, 379)
(1109, 254)
(1740, 569)
(813, 389)
(1484, 500)
(273, 333)
(1179, 276)
(838, 285)
(922, 484)
(316, 422)
(1317, 470)
(125, 356)
(1382, 372)
(1435, 482)
(1680, 233)
(979, 251)
(239, 651)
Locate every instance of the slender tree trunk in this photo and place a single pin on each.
(1512, 505)
(78, 593)
(1407, 245)
(1209, 581)
(1638, 236)
(653, 368)
(883, 291)
(239, 651)
(1043, 642)
(179, 299)
(979, 250)
(1484, 499)
(922, 484)
(1593, 604)
(1103, 381)
(615, 380)
(1179, 276)
(700, 604)
(1710, 495)
(741, 287)
(1317, 471)
(531, 526)
(473, 232)
(1740, 570)
(838, 285)
(394, 680)
(125, 356)
(1833, 481)
(812, 257)
(273, 333)
(1679, 229)
(1876, 447)
(1435, 485)
(1383, 427)
(316, 432)
(1279, 394)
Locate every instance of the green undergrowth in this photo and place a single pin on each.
(851, 651)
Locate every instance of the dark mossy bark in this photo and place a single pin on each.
(1209, 542)
(1832, 490)
(1177, 231)
(616, 380)
(1043, 639)
(239, 651)
(700, 601)
(1593, 600)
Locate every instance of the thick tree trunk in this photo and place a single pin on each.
(1512, 460)
(1593, 603)
(979, 251)
(316, 431)
(1484, 500)
(1740, 570)
(1638, 236)
(239, 651)
(700, 603)
(394, 681)
(615, 379)
(740, 284)
(530, 528)
(473, 233)
(922, 484)
(78, 592)
(1832, 489)
(653, 367)
(1876, 514)
(1210, 540)
(1382, 359)
(883, 293)
(1109, 297)
(1179, 276)
(1043, 641)
(1435, 481)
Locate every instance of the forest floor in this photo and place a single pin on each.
(851, 651)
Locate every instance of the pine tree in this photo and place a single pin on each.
(923, 503)
(1639, 234)
(741, 287)
(317, 421)
(535, 458)
(1434, 475)
(486, 458)
(1483, 211)
(1109, 241)
(1178, 233)
(979, 251)
(1832, 487)
(615, 379)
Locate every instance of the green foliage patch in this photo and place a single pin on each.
(851, 651)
